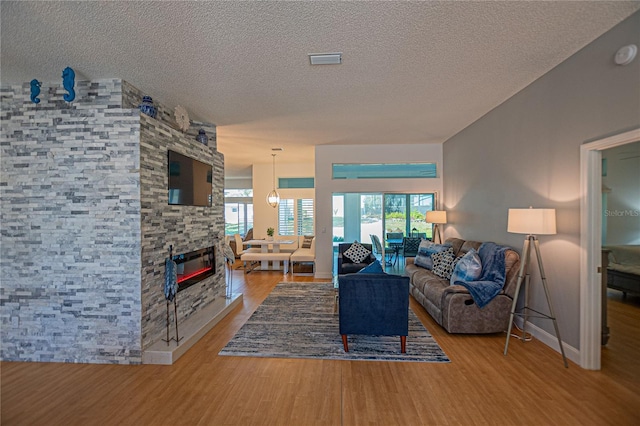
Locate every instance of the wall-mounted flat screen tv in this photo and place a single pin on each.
(190, 181)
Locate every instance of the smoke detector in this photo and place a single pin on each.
(626, 54)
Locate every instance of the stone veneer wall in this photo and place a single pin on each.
(83, 186)
(187, 228)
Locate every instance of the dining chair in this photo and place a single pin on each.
(377, 249)
(394, 241)
(410, 246)
(240, 249)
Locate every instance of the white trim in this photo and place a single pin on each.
(590, 244)
(552, 341)
(322, 275)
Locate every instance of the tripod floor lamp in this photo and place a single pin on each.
(436, 217)
(531, 222)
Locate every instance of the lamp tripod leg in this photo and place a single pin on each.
(546, 292)
(527, 280)
(513, 309)
(521, 274)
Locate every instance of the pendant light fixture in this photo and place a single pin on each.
(273, 198)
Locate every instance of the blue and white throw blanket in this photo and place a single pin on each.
(170, 279)
(492, 279)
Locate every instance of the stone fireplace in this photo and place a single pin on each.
(87, 224)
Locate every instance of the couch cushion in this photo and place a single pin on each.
(512, 266)
(443, 263)
(468, 245)
(357, 253)
(373, 268)
(468, 268)
(456, 243)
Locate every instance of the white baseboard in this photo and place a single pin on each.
(550, 340)
(323, 275)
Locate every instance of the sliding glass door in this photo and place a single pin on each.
(419, 205)
(356, 216)
(405, 213)
(395, 213)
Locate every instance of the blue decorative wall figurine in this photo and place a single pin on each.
(202, 137)
(147, 107)
(35, 91)
(68, 81)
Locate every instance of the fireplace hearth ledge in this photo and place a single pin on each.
(191, 330)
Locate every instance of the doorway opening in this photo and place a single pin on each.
(591, 243)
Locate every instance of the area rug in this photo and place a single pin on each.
(297, 320)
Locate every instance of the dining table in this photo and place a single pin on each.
(267, 246)
(396, 245)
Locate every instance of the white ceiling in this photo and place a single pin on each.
(414, 72)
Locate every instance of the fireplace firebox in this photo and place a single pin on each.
(195, 266)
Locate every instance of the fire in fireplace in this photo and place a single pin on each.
(195, 266)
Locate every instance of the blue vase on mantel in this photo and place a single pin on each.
(202, 137)
(147, 107)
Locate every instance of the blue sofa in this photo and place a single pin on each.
(374, 304)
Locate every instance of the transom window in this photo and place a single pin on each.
(384, 171)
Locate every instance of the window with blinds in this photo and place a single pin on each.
(295, 217)
(286, 217)
(305, 216)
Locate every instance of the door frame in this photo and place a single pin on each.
(591, 244)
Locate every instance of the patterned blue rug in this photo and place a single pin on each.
(297, 320)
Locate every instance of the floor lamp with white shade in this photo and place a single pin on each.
(436, 217)
(532, 222)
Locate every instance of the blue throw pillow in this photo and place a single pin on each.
(468, 268)
(425, 250)
(422, 259)
(373, 268)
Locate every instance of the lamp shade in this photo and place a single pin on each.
(436, 216)
(532, 221)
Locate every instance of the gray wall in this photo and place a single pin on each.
(86, 225)
(526, 152)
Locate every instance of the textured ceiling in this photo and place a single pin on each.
(414, 72)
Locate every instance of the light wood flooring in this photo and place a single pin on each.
(480, 386)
